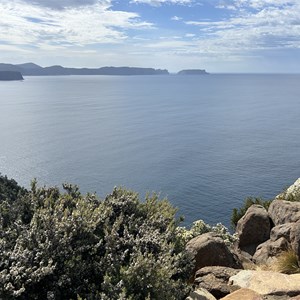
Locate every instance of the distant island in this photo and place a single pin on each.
(31, 69)
(192, 72)
(10, 75)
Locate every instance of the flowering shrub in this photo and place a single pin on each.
(199, 227)
(67, 245)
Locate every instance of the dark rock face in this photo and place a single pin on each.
(215, 280)
(282, 212)
(10, 75)
(209, 249)
(253, 228)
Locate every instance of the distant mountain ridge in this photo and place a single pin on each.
(31, 69)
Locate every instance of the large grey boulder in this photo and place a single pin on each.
(215, 280)
(253, 228)
(209, 249)
(267, 283)
(244, 294)
(282, 212)
(295, 239)
(280, 231)
(200, 294)
(268, 250)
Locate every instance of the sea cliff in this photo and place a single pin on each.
(10, 75)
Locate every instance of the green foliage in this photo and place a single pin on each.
(10, 190)
(199, 227)
(237, 214)
(67, 245)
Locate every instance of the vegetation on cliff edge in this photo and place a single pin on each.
(65, 245)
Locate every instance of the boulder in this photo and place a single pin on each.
(282, 212)
(267, 283)
(253, 228)
(268, 250)
(215, 280)
(243, 294)
(246, 294)
(295, 239)
(200, 294)
(280, 231)
(209, 249)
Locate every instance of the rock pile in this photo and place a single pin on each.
(263, 234)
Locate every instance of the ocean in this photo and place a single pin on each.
(204, 142)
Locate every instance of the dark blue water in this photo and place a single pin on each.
(205, 142)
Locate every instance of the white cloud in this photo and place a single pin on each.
(27, 24)
(61, 4)
(175, 18)
(160, 2)
(256, 25)
(190, 35)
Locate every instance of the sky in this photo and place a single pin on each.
(221, 36)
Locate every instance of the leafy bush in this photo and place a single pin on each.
(237, 214)
(199, 227)
(67, 245)
(10, 190)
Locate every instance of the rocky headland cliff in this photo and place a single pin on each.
(31, 69)
(10, 75)
(263, 263)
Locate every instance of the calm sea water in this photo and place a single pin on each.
(205, 142)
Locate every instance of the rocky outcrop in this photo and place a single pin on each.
(209, 249)
(253, 228)
(295, 239)
(267, 251)
(200, 294)
(258, 241)
(280, 231)
(267, 283)
(243, 294)
(282, 212)
(10, 75)
(215, 280)
(263, 236)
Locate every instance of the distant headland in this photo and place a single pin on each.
(31, 69)
(192, 72)
(10, 75)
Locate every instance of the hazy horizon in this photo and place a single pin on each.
(234, 36)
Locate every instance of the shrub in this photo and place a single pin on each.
(199, 227)
(287, 262)
(237, 214)
(10, 190)
(71, 246)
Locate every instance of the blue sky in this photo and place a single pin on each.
(217, 35)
